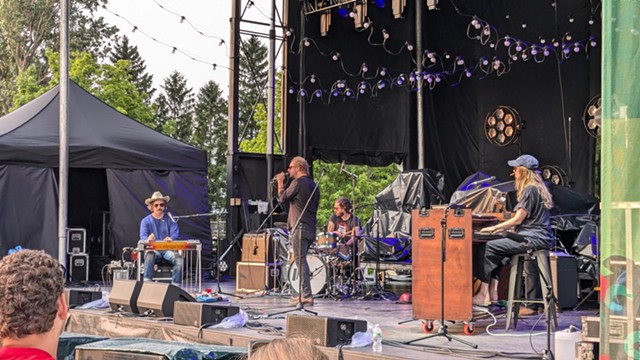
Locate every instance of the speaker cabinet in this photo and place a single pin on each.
(257, 248)
(198, 314)
(102, 354)
(75, 297)
(257, 276)
(324, 331)
(124, 295)
(564, 273)
(159, 298)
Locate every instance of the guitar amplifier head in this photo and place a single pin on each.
(324, 331)
(198, 314)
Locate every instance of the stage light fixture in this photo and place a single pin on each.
(554, 174)
(592, 117)
(502, 126)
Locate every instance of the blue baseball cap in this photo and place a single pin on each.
(527, 161)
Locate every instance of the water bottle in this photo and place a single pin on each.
(377, 339)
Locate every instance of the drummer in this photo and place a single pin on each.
(345, 225)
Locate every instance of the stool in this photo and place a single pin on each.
(515, 286)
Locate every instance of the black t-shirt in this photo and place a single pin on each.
(537, 224)
(344, 226)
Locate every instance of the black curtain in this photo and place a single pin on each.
(129, 188)
(33, 191)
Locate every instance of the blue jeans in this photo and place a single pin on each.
(154, 257)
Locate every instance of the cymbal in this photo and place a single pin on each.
(281, 225)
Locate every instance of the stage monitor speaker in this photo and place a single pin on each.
(324, 331)
(75, 297)
(199, 314)
(124, 295)
(103, 354)
(257, 276)
(158, 298)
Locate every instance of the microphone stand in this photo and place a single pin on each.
(443, 326)
(299, 305)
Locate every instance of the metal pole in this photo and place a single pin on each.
(63, 124)
(232, 122)
(301, 102)
(420, 92)
(271, 89)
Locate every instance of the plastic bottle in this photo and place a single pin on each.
(377, 339)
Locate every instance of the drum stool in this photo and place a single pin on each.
(515, 286)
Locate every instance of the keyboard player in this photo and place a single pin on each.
(531, 220)
(160, 226)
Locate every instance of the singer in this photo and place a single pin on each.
(159, 226)
(297, 194)
(531, 220)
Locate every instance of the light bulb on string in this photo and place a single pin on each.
(335, 56)
(364, 68)
(385, 34)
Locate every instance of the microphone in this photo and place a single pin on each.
(172, 218)
(478, 182)
(286, 177)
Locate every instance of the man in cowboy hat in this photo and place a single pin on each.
(160, 226)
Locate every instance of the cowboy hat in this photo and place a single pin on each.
(157, 196)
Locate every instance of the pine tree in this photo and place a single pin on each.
(122, 50)
(211, 135)
(174, 114)
(253, 84)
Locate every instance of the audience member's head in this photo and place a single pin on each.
(32, 304)
(289, 349)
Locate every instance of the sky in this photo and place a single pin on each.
(160, 20)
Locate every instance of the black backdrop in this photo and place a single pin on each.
(379, 130)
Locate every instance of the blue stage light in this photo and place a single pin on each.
(343, 12)
(380, 3)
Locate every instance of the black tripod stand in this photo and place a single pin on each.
(219, 259)
(443, 326)
(299, 259)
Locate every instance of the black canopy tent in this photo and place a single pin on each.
(114, 164)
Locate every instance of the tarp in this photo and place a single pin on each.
(101, 141)
(390, 224)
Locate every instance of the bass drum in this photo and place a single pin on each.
(317, 272)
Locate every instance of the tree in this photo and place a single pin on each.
(253, 80)
(211, 135)
(143, 81)
(28, 27)
(109, 83)
(174, 114)
(369, 182)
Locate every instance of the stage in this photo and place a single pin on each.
(523, 342)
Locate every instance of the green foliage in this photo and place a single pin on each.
(28, 27)
(253, 82)
(211, 135)
(175, 105)
(137, 74)
(107, 82)
(368, 183)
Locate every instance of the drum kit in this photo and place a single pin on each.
(331, 271)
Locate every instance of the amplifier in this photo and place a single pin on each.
(617, 328)
(564, 270)
(257, 276)
(324, 331)
(78, 267)
(199, 314)
(587, 350)
(257, 248)
(101, 354)
(76, 240)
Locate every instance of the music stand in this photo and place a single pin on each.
(443, 327)
(299, 305)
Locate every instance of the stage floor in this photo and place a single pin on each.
(528, 340)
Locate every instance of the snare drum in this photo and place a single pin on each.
(326, 241)
(318, 274)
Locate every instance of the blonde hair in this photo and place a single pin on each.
(289, 349)
(528, 177)
(301, 163)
